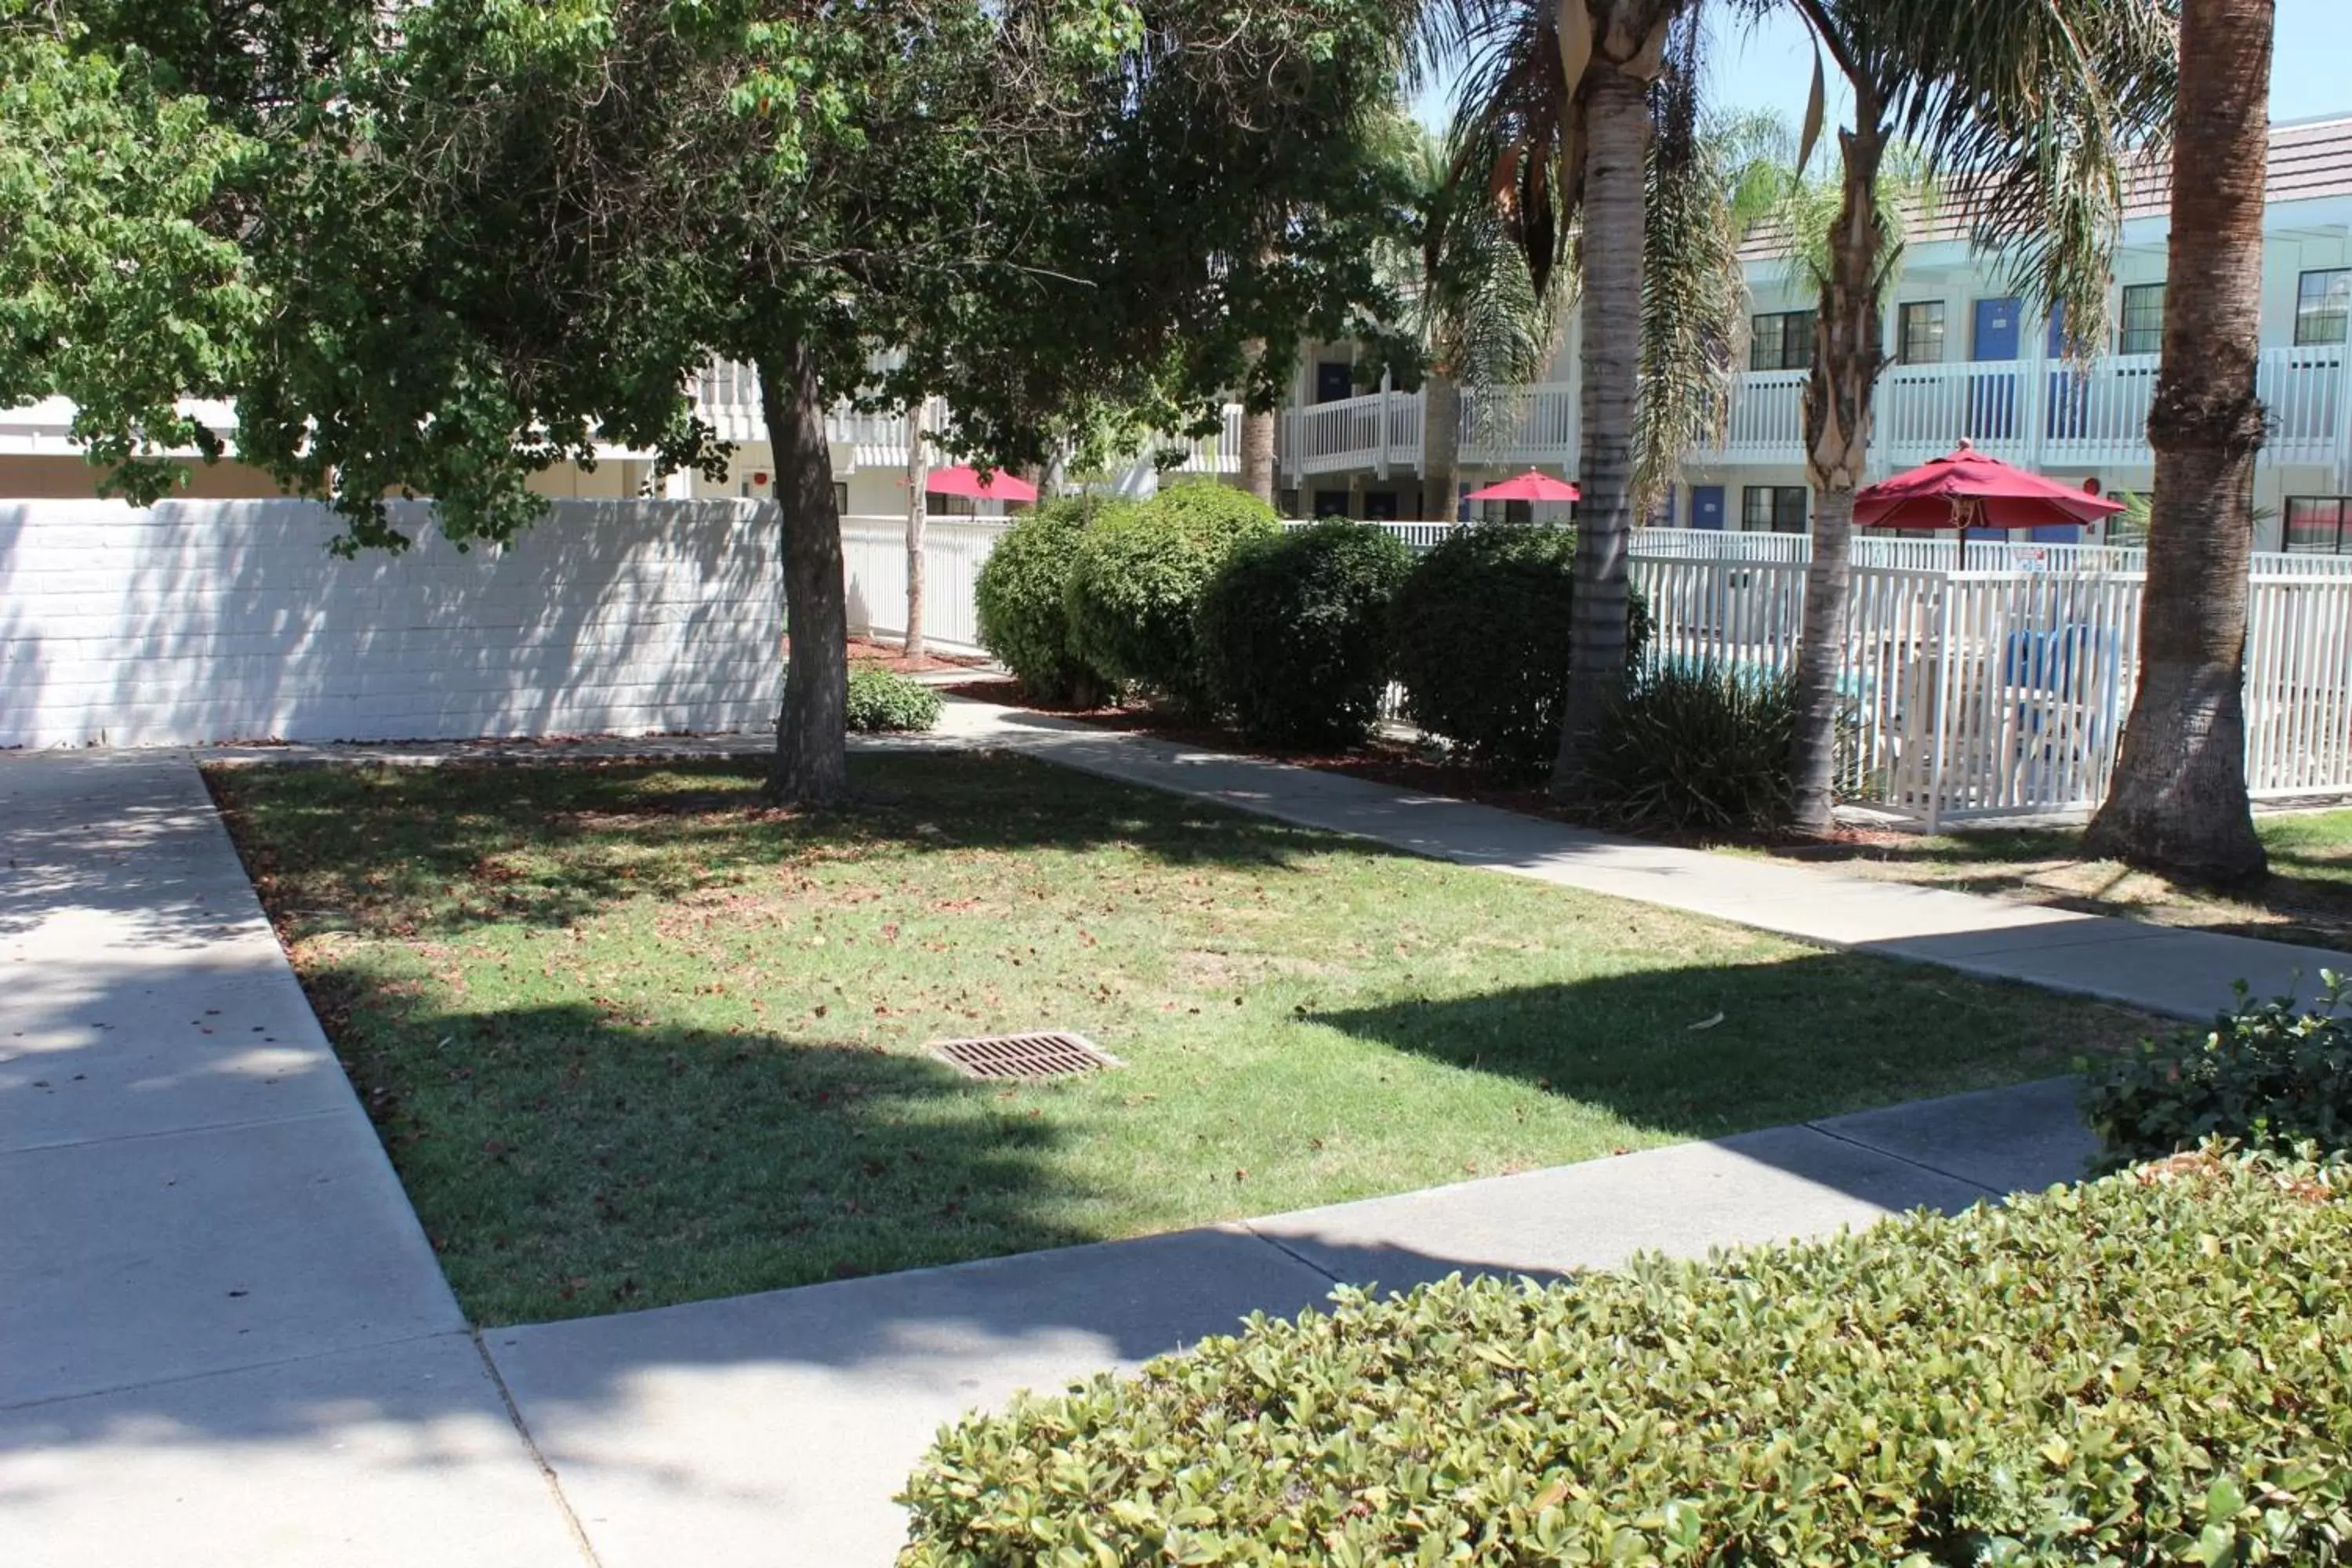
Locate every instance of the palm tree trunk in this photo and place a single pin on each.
(1441, 447)
(1617, 127)
(812, 763)
(2177, 803)
(1847, 355)
(919, 511)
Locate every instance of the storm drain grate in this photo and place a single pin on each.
(1056, 1054)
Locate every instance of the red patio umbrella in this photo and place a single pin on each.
(1968, 490)
(1529, 486)
(962, 480)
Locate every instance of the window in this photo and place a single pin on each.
(2318, 525)
(2142, 329)
(1919, 335)
(1783, 341)
(1772, 509)
(2323, 300)
(840, 498)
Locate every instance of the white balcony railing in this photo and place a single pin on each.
(1377, 430)
(1520, 426)
(2037, 413)
(727, 394)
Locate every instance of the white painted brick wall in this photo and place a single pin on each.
(197, 621)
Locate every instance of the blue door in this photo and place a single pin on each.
(1706, 506)
(1992, 395)
(1335, 379)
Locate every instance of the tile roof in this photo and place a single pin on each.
(2308, 160)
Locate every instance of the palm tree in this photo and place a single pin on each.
(2034, 106)
(1712, 179)
(1553, 118)
(2177, 803)
(1475, 315)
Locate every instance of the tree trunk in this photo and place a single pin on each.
(1440, 447)
(1617, 127)
(812, 763)
(2177, 803)
(1258, 438)
(1848, 353)
(919, 509)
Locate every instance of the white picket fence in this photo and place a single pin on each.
(1984, 679)
(1982, 692)
(874, 567)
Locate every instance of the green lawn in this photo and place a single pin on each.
(632, 1038)
(2308, 898)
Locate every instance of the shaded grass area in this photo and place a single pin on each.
(632, 1038)
(2308, 898)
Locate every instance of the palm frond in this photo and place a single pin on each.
(2031, 112)
(1709, 182)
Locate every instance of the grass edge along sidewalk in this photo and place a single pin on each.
(632, 1038)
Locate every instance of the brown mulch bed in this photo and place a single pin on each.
(870, 653)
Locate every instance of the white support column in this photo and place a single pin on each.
(2033, 402)
(1380, 431)
(2343, 430)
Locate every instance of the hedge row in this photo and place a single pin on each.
(2155, 1367)
(1197, 599)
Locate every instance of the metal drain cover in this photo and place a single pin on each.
(1056, 1054)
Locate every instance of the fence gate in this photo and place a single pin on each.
(2033, 674)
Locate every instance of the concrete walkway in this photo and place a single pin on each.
(775, 1429)
(227, 1340)
(2180, 973)
(2183, 974)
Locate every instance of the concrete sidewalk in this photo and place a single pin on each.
(775, 1429)
(230, 1343)
(227, 1341)
(2183, 974)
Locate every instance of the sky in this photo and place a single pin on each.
(1770, 65)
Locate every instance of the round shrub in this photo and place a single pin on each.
(1692, 747)
(1021, 593)
(2267, 1074)
(1136, 580)
(880, 700)
(2147, 1369)
(1481, 643)
(1294, 632)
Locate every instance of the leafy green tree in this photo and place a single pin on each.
(115, 290)
(498, 233)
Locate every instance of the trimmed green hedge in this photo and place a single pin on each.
(1020, 597)
(2155, 1367)
(1294, 632)
(882, 700)
(1481, 642)
(1136, 580)
(2265, 1075)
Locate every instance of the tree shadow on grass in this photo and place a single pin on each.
(566, 1162)
(1702, 1052)
(415, 851)
(2309, 892)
